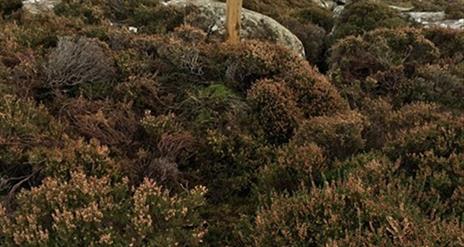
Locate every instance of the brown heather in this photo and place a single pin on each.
(170, 137)
(99, 212)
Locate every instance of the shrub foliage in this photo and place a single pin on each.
(166, 136)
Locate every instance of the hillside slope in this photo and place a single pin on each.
(122, 125)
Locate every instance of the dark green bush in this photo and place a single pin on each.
(316, 15)
(313, 38)
(385, 122)
(149, 16)
(87, 10)
(7, 7)
(326, 216)
(295, 167)
(362, 16)
(435, 83)
(24, 124)
(340, 135)
(379, 63)
(454, 9)
(449, 41)
(214, 106)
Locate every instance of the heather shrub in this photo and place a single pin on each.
(171, 146)
(24, 125)
(362, 16)
(102, 212)
(113, 124)
(295, 167)
(86, 101)
(156, 126)
(229, 162)
(455, 9)
(379, 63)
(407, 234)
(316, 15)
(441, 138)
(449, 41)
(7, 7)
(147, 15)
(387, 123)
(86, 10)
(431, 153)
(436, 83)
(91, 157)
(340, 135)
(242, 65)
(373, 168)
(214, 106)
(323, 215)
(133, 62)
(380, 50)
(76, 61)
(275, 108)
(312, 37)
(276, 9)
(42, 32)
(142, 92)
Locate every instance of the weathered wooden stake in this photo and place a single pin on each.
(234, 9)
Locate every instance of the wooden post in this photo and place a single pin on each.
(234, 9)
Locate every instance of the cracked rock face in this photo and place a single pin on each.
(210, 16)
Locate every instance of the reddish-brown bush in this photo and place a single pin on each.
(340, 135)
(275, 108)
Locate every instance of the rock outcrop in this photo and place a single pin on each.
(210, 16)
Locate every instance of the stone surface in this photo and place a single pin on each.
(210, 16)
(433, 19)
(37, 6)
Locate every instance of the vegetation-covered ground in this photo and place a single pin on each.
(168, 138)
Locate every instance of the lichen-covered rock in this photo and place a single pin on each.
(210, 16)
(37, 6)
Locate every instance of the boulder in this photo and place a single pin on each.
(426, 17)
(37, 6)
(210, 16)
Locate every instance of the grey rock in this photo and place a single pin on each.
(425, 17)
(39, 6)
(210, 16)
(338, 10)
(328, 4)
(434, 19)
(402, 9)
